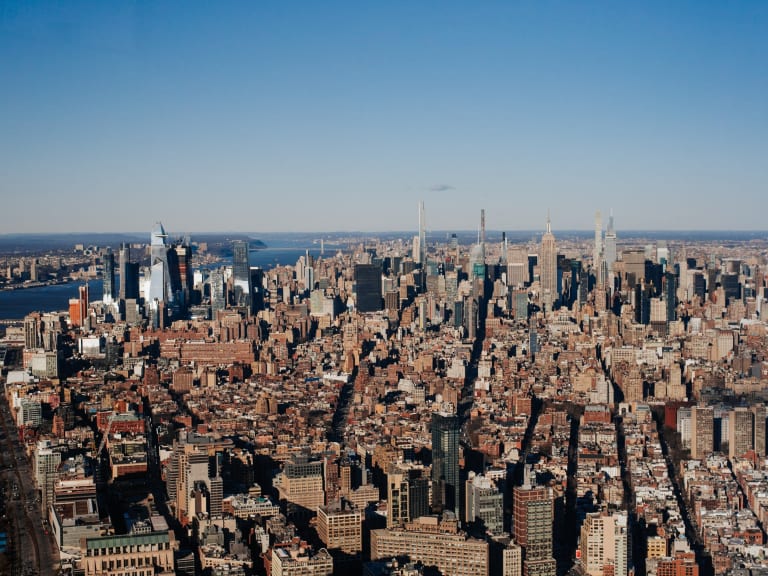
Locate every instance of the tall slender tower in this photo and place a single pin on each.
(446, 429)
(549, 289)
(422, 235)
(124, 259)
(609, 251)
(597, 251)
(109, 277)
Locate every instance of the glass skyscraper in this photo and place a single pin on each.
(446, 430)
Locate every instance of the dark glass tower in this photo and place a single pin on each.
(671, 296)
(446, 430)
(368, 287)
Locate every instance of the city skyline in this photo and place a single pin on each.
(342, 117)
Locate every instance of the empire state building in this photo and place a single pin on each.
(549, 291)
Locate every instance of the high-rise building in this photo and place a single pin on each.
(549, 287)
(759, 415)
(604, 543)
(109, 292)
(33, 331)
(597, 249)
(368, 287)
(485, 504)
(446, 430)
(407, 493)
(340, 527)
(241, 274)
(217, 292)
(670, 296)
(609, 250)
(422, 255)
(129, 275)
(702, 431)
(533, 511)
(160, 288)
(740, 431)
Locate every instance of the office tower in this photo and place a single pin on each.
(485, 504)
(642, 303)
(549, 288)
(759, 416)
(422, 254)
(340, 528)
(731, 287)
(124, 257)
(217, 292)
(257, 287)
(740, 431)
(702, 431)
(129, 275)
(241, 274)
(533, 511)
(368, 287)
(609, 250)
(407, 493)
(140, 553)
(33, 328)
(160, 289)
(597, 249)
(302, 483)
(109, 277)
(517, 267)
(446, 429)
(78, 307)
(670, 296)
(604, 543)
(183, 252)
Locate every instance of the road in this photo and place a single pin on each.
(38, 554)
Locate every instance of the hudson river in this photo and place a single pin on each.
(15, 304)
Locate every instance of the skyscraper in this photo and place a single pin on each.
(533, 511)
(422, 236)
(597, 250)
(609, 250)
(160, 289)
(129, 275)
(549, 288)
(241, 273)
(109, 293)
(218, 298)
(368, 287)
(702, 431)
(446, 429)
(604, 543)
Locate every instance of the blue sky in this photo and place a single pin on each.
(294, 116)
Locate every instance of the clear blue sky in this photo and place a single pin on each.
(324, 115)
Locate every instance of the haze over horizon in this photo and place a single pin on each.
(340, 116)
